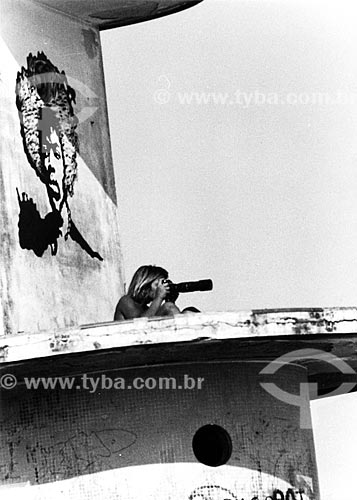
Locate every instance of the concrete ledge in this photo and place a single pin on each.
(293, 324)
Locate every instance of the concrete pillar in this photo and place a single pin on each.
(60, 256)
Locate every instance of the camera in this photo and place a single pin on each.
(191, 286)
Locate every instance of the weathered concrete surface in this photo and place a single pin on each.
(103, 435)
(122, 443)
(331, 323)
(113, 13)
(67, 285)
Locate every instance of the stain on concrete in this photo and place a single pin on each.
(91, 43)
(128, 13)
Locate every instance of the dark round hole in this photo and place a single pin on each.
(212, 445)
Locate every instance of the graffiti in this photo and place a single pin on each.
(214, 492)
(289, 495)
(82, 453)
(37, 233)
(211, 492)
(48, 124)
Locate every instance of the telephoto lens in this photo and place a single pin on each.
(192, 286)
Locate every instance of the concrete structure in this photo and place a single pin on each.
(209, 406)
(128, 398)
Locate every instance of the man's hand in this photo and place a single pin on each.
(172, 295)
(163, 289)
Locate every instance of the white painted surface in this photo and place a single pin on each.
(177, 481)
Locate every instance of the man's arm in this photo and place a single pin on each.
(127, 308)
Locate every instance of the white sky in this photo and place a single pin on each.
(261, 197)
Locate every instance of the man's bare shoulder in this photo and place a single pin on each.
(128, 308)
(125, 299)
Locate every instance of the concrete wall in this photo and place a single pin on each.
(60, 257)
(115, 442)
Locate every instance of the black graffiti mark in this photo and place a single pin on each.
(87, 449)
(37, 233)
(76, 236)
(289, 495)
(83, 452)
(278, 495)
(214, 492)
(48, 124)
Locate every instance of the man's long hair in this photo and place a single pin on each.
(140, 286)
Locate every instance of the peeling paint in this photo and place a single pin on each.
(3, 352)
(61, 342)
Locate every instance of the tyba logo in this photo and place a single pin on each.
(308, 390)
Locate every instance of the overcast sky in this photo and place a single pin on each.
(234, 128)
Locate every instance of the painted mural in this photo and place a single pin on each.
(48, 127)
